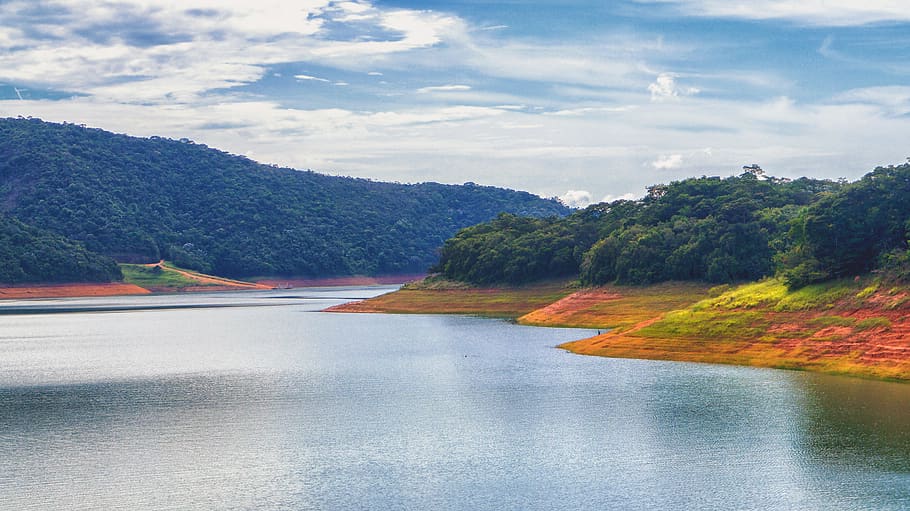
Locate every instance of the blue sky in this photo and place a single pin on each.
(585, 100)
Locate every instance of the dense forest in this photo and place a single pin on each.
(30, 255)
(141, 199)
(710, 229)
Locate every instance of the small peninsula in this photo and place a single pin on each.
(845, 327)
(749, 270)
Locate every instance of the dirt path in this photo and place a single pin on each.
(209, 279)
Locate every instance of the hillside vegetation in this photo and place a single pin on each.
(140, 200)
(703, 229)
(29, 254)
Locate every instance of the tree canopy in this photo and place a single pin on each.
(30, 255)
(708, 228)
(863, 226)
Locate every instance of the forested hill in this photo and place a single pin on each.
(138, 199)
(707, 229)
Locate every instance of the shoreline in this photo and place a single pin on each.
(72, 290)
(851, 328)
(206, 284)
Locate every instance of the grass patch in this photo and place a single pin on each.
(435, 283)
(154, 277)
(747, 296)
(504, 302)
(774, 295)
(707, 325)
(815, 296)
(868, 291)
(826, 321)
(872, 323)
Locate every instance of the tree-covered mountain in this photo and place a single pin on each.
(708, 228)
(29, 254)
(141, 199)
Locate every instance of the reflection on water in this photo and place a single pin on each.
(279, 407)
(861, 424)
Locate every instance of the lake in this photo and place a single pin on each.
(258, 401)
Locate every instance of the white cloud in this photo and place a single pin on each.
(444, 88)
(665, 87)
(812, 12)
(552, 154)
(204, 44)
(592, 110)
(625, 196)
(577, 198)
(672, 161)
(584, 121)
(311, 78)
(893, 99)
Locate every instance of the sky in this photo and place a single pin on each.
(586, 100)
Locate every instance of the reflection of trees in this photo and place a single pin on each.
(858, 423)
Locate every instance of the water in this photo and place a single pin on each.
(257, 401)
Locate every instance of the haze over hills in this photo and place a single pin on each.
(139, 200)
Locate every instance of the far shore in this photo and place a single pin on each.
(85, 289)
(71, 290)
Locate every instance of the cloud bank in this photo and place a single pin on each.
(358, 88)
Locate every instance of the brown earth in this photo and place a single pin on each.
(790, 340)
(209, 282)
(70, 290)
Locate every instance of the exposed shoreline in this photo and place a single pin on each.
(205, 284)
(857, 328)
(20, 292)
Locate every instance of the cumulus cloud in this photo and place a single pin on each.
(672, 161)
(665, 87)
(625, 196)
(118, 48)
(577, 198)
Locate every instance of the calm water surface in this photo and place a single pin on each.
(257, 401)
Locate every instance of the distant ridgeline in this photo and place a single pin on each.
(709, 229)
(139, 200)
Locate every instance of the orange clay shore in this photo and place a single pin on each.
(206, 284)
(70, 290)
(865, 342)
(848, 329)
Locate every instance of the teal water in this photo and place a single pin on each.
(258, 401)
